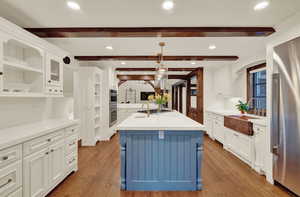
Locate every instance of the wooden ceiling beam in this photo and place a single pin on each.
(75, 32)
(154, 69)
(146, 77)
(154, 58)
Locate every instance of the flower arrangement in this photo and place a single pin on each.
(159, 99)
(243, 107)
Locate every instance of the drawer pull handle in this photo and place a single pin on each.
(47, 153)
(49, 140)
(5, 158)
(52, 151)
(8, 181)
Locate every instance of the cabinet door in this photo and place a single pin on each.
(56, 162)
(54, 71)
(36, 174)
(218, 131)
(243, 147)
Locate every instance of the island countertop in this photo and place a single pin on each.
(173, 121)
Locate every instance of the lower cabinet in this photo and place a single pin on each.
(18, 193)
(40, 169)
(36, 169)
(250, 149)
(56, 163)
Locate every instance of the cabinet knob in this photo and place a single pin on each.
(49, 81)
(50, 90)
(52, 151)
(61, 91)
(47, 153)
(5, 158)
(49, 140)
(55, 90)
(1, 73)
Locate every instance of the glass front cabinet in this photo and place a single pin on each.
(54, 75)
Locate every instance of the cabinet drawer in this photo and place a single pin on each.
(71, 161)
(39, 143)
(10, 178)
(72, 130)
(10, 155)
(71, 144)
(258, 129)
(18, 193)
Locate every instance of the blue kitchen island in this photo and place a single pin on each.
(162, 152)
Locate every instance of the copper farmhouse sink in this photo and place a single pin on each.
(239, 123)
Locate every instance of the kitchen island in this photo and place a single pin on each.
(162, 152)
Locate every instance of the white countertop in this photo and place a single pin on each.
(136, 106)
(19, 134)
(174, 121)
(262, 121)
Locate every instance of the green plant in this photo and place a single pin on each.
(243, 107)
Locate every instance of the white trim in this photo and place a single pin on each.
(257, 70)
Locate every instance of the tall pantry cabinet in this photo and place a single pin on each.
(89, 101)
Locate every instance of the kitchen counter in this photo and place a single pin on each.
(162, 121)
(136, 106)
(262, 121)
(19, 134)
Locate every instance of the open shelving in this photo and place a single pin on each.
(22, 70)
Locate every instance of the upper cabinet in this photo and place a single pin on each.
(54, 75)
(29, 66)
(22, 71)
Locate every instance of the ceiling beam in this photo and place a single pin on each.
(154, 58)
(146, 77)
(154, 69)
(76, 32)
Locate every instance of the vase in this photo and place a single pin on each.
(159, 108)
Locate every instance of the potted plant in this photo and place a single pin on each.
(243, 107)
(159, 100)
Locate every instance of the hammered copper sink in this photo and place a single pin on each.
(239, 123)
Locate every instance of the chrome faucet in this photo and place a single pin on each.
(148, 109)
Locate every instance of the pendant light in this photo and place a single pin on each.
(161, 75)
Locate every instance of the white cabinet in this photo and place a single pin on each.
(36, 173)
(10, 178)
(29, 66)
(54, 75)
(56, 162)
(18, 193)
(209, 124)
(260, 148)
(90, 105)
(216, 127)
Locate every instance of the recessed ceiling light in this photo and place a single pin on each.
(109, 47)
(168, 5)
(193, 63)
(212, 47)
(261, 5)
(123, 63)
(73, 5)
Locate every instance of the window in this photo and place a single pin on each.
(257, 85)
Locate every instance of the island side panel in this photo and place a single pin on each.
(161, 160)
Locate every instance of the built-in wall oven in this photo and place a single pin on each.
(113, 111)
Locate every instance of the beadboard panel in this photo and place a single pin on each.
(165, 161)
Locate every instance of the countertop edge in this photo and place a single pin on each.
(42, 132)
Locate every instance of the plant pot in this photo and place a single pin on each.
(242, 112)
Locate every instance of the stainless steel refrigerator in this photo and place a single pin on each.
(285, 130)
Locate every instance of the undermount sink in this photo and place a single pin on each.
(239, 123)
(153, 111)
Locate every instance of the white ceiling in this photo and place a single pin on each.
(147, 13)
(143, 13)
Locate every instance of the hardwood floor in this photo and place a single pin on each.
(223, 175)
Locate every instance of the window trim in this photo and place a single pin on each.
(250, 70)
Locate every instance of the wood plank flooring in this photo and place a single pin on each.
(224, 176)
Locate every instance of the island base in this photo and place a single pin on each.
(161, 160)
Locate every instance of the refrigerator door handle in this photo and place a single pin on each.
(275, 134)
